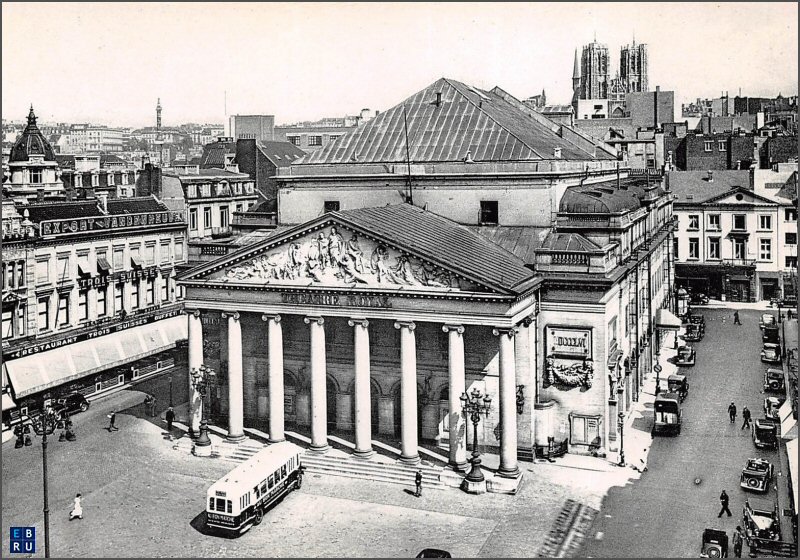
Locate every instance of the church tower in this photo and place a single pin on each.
(158, 115)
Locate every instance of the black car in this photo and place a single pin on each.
(693, 333)
(773, 380)
(72, 403)
(433, 553)
(757, 475)
(698, 298)
(698, 320)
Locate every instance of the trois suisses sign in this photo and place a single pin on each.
(106, 223)
(102, 280)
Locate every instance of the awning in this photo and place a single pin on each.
(102, 266)
(788, 422)
(665, 320)
(136, 262)
(8, 402)
(84, 271)
(41, 371)
(791, 452)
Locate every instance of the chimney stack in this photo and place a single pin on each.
(438, 101)
(655, 107)
(103, 198)
(39, 195)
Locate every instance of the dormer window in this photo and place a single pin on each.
(36, 176)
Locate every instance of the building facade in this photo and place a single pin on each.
(87, 290)
(33, 172)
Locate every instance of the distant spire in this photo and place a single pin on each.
(31, 117)
(576, 68)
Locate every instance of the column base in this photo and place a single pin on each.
(319, 449)
(451, 477)
(201, 450)
(275, 440)
(474, 487)
(501, 484)
(235, 439)
(410, 460)
(365, 454)
(459, 466)
(509, 473)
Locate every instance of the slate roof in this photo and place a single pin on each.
(523, 241)
(569, 242)
(61, 210)
(214, 153)
(789, 189)
(281, 154)
(467, 119)
(432, 237)
(557, 109)
(31, 142)
(65, 161)
(135, 205)
(606, 197)
(695, 184)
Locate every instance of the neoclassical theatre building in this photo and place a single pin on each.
(541, 282)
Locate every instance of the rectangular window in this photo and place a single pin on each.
(150, 254)
(150, 294)
(765, 222)
(765, 249)
(20, 274)
(62, 268)
(42, 271)
(694, 248)
(791, 238)
(8, 323)
(102, 309)
(223, 217)
(83, 306)
(294, 140)
(193, 219)
(713, 247)
(119, 258)
(790, 215)
(238, 207)
(721, 146)
(315, 140)
(585, 430)
(791, 262)
(164, 288)
(21, 328)
(739, 249)
(124, 178)
(739, 222)
(36, 176)
(694, 222)
(134, 295)
(193, 191)
(331, 206)
(110, 179)
(713, 222)
(489, 213)
(78, 180)
(95, 180)
(675, 245)
(118, 292)
(179, 250)
(43, 322)
(207, 217)
(165, 252)
(63, 310)
(707, 145)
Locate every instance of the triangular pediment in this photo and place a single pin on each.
(739, 196)
(328, 253)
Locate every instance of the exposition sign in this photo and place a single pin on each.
(568, 342)
(105, 223)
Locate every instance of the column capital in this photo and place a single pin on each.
(507, 331)
(457, 328)
(318, 320)
(195, 312)
(360, 322)
(230, 315)
(410, 325)
(528, 321)
(267, 317)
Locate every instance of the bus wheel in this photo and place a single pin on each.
(299, 481)
(259, 517)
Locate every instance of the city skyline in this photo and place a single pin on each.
(371, 57)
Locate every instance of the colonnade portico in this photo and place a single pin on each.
(409, 445)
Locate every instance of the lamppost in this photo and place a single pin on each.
(657, 369)
(621, 426)
(475, 405)
(170, 391)
(203, 378)
(45, 424)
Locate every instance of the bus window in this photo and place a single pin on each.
(211, 503)
(230, 506)
(283, 471)
(256, 491)
(264, 487)
(220, 504)
(271, 481)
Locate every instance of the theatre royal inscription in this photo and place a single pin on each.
(335, 300)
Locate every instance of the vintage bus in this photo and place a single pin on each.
(239, 499)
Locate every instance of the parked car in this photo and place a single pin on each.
(789, 300)
(667, 418)
(433, 553)
(771, 334)
(677, 384)
(767, 319)
(757, 475)
(698, 298)
(71, 403)
(715, 544)
(698, 320)
(693, 333)
(761, 522)
(771, 407)
(685, 356)
(773, 380)
(765, 433)
(771, 353)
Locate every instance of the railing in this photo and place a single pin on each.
(569, 259)
(636, 172)
(739, 262)
(268, 219)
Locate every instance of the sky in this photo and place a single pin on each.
(108, 63)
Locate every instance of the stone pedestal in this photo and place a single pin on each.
(504, 484)
(202, 451)
(474, 487)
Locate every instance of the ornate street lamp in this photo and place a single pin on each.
(657, 369)
(621, 426)
(474, 405)
(43, 425)
(203, 378)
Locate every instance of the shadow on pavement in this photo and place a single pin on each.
(199, 524)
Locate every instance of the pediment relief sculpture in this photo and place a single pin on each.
(332, 258)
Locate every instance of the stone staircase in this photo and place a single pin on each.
(372, 469)
(223, 449)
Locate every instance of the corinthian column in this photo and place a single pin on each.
(362, 388)
(275, 380)
(235, 381)
(457, 386)
(408, 392)
(319, 403)
(508, 405)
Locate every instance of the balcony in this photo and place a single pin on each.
(738, 262)
(255, 219)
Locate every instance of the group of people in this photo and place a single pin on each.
(746, 417)
(738, 534)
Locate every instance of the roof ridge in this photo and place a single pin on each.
(490, 117)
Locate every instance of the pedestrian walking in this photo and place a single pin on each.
(738, 541)
(77, 510)
(723, 499)
(732, 412)
(170, 418)
(746, 418)
(150, 403)
(112, 418)
(736, 320)
(418, 482)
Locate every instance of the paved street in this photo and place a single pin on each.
(665, 512)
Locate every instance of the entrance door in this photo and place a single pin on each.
(739, 290)
(769, 289)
